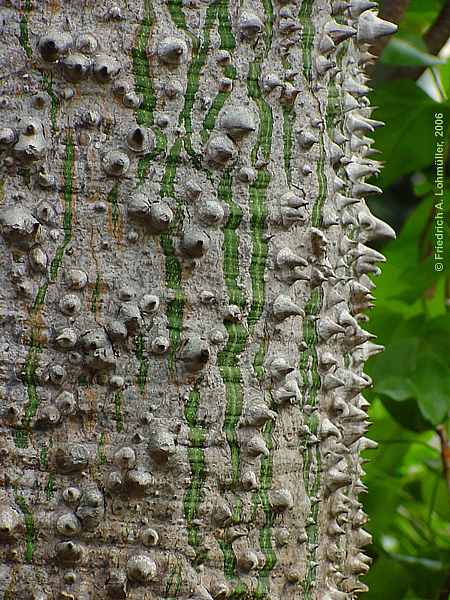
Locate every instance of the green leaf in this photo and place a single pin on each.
(411, 375)
(420, 15)
(396, 387)
(418, 279)
(387, 580)
(396, 363)
(407, 142)
(407, 275)
(401, 52)
(444, 75)
(432, 381)
(407, 413)
(422, 187)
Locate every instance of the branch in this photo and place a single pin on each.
(447, 294)
(445, 591)
(437, 36)
(393, 11)
(435, 39)
(445, 453)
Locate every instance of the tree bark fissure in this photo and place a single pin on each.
(183, 241)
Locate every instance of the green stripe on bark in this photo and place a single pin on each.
(221, 97)
(308, 32)
(265, 533)
(146, 160)
(228, 362)
(23, 27)
(196, 456)
(199, 53)
(258, 211)
(50, 487)
(334, 107)
(112, 200)
(47, 81)
(176, 12)
(168, 180)
(231, 242)
(141, 68)
(258, 216)
(268, 11)
(101, 456)
(29, 373)
(143, 86)
(258, 190)
(312, 385)
(139, 349)
(229, 559)
(227, 42)
(316, 219)
(259, 357)
(40, 297)
(288, 122)
(173, 266)
(68, 171)
(309, 359)
(174, 580)
(29, 377)
(228, 358)
(30, 528)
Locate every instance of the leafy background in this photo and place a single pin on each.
(408, 500)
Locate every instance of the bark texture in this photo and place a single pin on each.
(184, 271)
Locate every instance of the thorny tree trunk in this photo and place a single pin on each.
(184, 270)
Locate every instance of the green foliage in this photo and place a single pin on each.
(409, 512)
(420, 15)
(408, 144)
(408, 500)
(444, 76)
(405, 53)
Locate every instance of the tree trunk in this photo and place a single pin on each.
(184, 274)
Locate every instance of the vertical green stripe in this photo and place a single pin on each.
(173, 265)
(176, 12)
(30, 529)
(23, 27)
(258, 217)
(196, 456)
(139, 348)
(308, 32)
(47, 82)
(309, 358)
(228, 358)
(141, 68)
(193, 76)
(227, 42)
(115, 212)
(258, 190)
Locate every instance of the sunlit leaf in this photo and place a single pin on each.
(432, 381)
(401, 52)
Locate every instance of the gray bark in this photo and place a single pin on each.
(185, 272)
